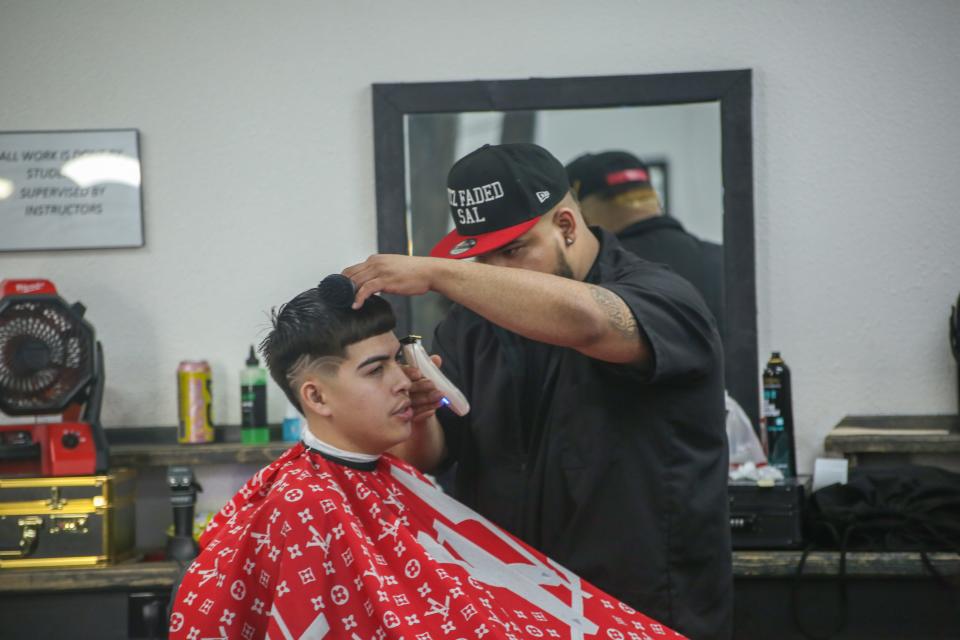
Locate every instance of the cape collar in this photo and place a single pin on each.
(361, 461)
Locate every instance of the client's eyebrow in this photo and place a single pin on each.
(373, 360)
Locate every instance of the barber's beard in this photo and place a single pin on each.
(563, 267)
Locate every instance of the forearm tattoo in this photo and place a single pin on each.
(616, 311)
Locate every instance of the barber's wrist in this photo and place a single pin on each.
(444, 275)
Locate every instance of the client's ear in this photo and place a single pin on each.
(313, 397)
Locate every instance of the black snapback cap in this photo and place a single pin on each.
(496, 194)
(607, 173)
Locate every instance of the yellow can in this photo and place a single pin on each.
(195, 400)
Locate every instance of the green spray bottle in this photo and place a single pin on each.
(253, 402)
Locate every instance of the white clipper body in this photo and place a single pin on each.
(415, 355)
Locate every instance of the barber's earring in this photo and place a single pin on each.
(568, 240)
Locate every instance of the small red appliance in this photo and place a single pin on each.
(51, 368)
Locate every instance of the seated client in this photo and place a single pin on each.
(338, 539)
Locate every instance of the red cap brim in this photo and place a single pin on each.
(456, 246)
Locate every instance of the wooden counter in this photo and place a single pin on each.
(746, 564)
(158, 446)
(856, 435)
(153, 455)
(127, 576)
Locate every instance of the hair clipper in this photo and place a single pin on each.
(415, 355)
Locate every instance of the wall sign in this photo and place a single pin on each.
(70, 190)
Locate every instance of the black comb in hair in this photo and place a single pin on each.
(337, 291)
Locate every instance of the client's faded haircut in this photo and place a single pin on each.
(316, 327)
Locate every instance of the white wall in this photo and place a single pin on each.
(258, 165)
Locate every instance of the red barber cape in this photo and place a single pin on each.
(314, 548)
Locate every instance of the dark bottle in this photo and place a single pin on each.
(778, 416)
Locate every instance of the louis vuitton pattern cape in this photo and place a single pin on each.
(318, 547)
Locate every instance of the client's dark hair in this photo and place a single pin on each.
(319, 323)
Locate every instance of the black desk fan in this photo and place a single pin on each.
(50, 363)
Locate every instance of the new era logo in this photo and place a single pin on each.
(542, 196)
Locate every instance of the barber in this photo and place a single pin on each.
(596, 383)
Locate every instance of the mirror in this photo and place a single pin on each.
(692, 129)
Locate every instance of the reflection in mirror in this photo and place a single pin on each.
(693, 130)
(680, 144)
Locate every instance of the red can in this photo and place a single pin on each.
(195, 401)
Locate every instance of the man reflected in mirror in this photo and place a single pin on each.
(615, 193)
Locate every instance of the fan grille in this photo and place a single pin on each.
(61, 344)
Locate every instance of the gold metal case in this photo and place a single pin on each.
(69, 521)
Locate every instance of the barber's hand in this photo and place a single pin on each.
(424, 396)
(387, 273)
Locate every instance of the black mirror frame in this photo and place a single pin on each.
(733, 89)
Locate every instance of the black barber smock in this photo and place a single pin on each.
(619, 477)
